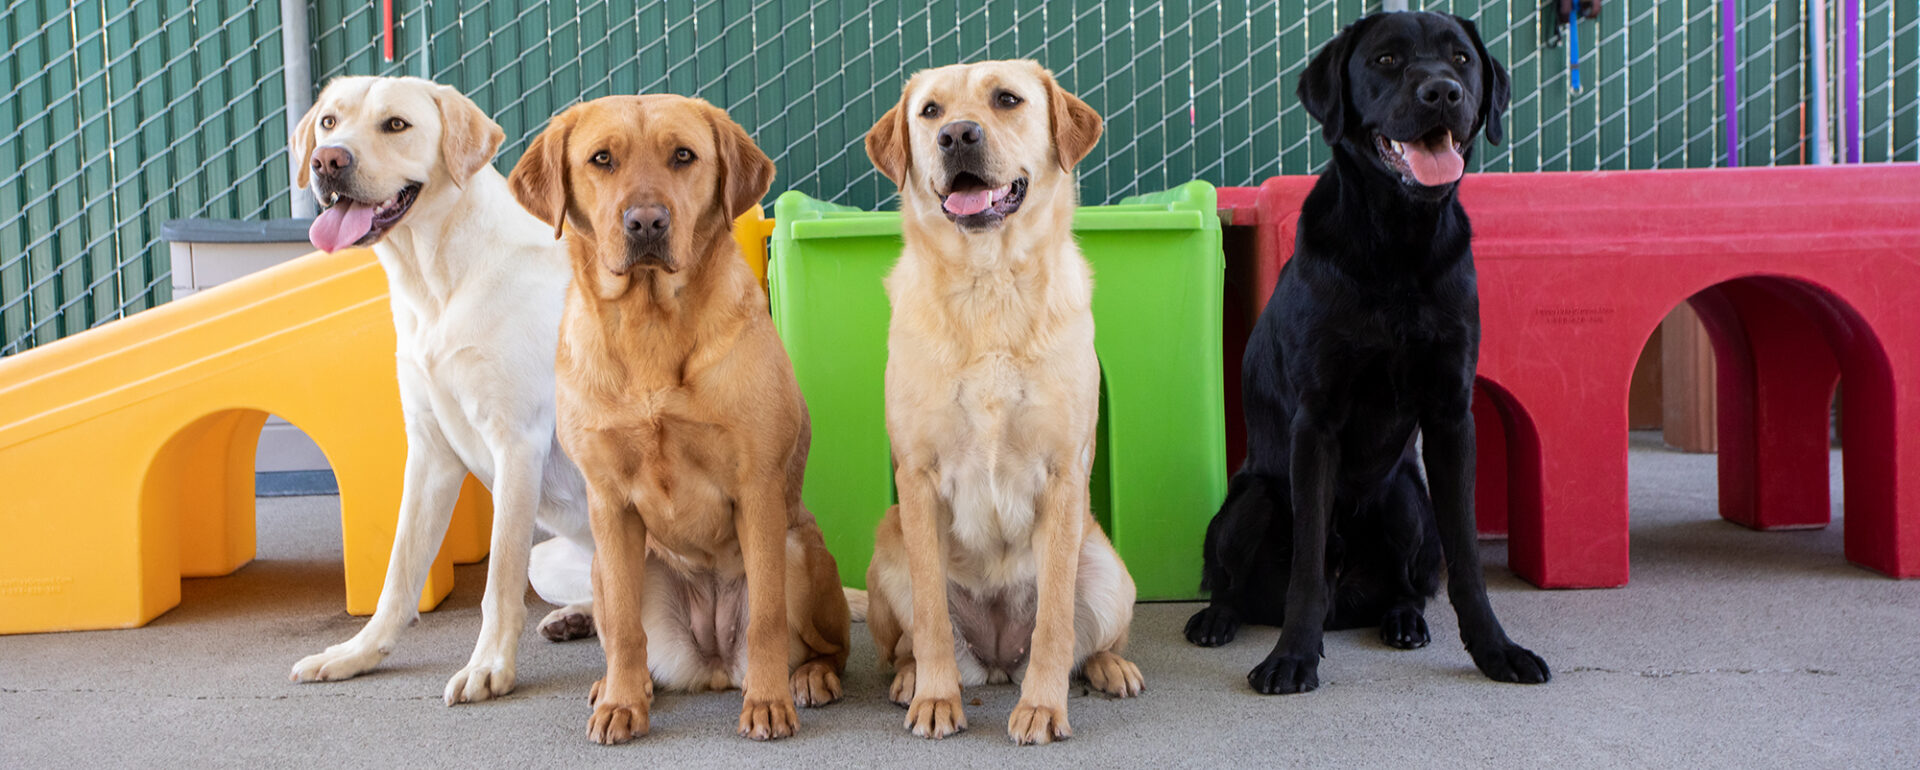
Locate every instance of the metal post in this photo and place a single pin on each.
(1817, 52)
(297, 77)
(1393, 5)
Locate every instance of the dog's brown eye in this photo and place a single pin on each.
(327, 122)
(396, 125)
(1460, 58)
(930, 111)
(682, 156)
(1385, 60)
(602, 158)
(1007, 99)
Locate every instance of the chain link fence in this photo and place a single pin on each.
(115, 117)
(118, 115)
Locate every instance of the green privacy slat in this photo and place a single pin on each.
(13, 229)
(1788, 57)
(140, 54)
(90, 288)
(1208, 42)
(1148, 105)
(1616, 99)
(1753, 33)
(56, 192)
(1876, 76)
(1667, 71)
(1905, 52)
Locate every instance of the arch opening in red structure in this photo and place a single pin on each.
(1782, 345)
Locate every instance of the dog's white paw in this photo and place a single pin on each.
(341, 661)
(480, 681)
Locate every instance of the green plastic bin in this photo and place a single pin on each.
(1160, 467)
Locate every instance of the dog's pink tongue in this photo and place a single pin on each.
(341, 226)
(1435, 163)
(969, 203)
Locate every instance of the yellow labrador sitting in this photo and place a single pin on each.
(477, 285)
(680, 406)
(992, 567)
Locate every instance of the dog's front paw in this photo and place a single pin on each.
(1405, 628)
(567, 624)
(341, 661)
(1509, 662)
(1283, 674)
(815, 683)
(1033, 724)
(931, 717)
(1114, 675)
(618, 722)
(901, 691)
(600, 686)
(765, 720)
(1212, 626)
(480, 681)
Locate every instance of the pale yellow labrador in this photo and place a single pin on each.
(477, 286)
(992, 567)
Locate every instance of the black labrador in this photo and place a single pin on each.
(1371, 337)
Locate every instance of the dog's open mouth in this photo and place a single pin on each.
(1432, 160)
(972, 202)
(348, 222)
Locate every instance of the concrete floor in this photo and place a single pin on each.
(1731, 648)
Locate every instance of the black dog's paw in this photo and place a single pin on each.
(1510, 662)
(1285, 675)
(1212, 626)
(1404, 628)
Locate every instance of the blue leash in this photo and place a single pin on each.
(1573, 47)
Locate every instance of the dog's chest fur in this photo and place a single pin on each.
(677, 468)
(473, 365)
(1000, 404)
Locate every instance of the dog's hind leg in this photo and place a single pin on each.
(561, 572)
(818, 616)
(1417, 563)
(561, 568)
(1102, 613)
(490, 672)
(1235, 546)
(889, 608)
(427, 494)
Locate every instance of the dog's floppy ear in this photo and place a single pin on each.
(468, 138)
(1495, 89)
(1323, 84)
(539, 180)
(746, 173)
(887, 142)
(1076, 126)
(300, 145)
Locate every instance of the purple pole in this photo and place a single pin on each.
(1730, 67)
(1850, 87)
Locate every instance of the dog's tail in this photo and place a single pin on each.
(856, 603)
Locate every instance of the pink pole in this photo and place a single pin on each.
(1850, 81)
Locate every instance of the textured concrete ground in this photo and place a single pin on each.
(1731, 648)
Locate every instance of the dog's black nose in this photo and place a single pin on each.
(332, 160)
(647, 221)
(960, 133)
(1439, 91)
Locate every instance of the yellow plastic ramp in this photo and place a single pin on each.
(127, 452)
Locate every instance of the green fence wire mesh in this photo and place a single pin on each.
(116, 115)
